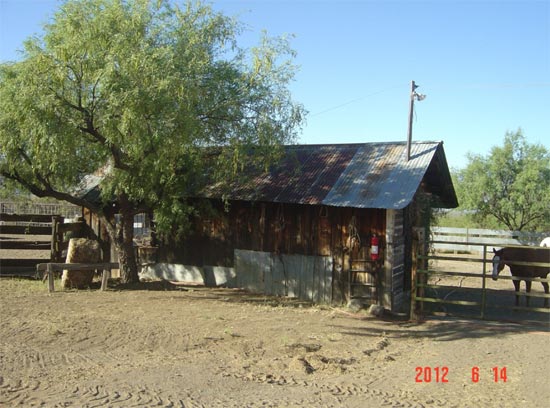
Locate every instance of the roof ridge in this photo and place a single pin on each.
(357, 144)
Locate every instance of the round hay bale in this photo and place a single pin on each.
(81, 250)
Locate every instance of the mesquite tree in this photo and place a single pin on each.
(510, 185)
(141, 94)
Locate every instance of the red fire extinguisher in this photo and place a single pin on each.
(374, 248)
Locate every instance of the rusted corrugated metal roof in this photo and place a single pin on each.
(368, 175)
(305, 175)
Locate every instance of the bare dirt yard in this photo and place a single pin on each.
(158, 344)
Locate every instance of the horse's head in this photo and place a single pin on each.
(498, 263)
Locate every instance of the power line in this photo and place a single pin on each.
(486, 85)
(354, 100)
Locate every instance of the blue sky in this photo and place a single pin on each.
(484, 65)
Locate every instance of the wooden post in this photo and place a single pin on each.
(483, 288)
(424, 263)
(55, 221)
(350, 283)
(105, 278)
(49, 271)
(411, 110)
(414, 267)
(418, 248)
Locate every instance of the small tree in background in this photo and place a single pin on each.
(511, 185)
(138, 91)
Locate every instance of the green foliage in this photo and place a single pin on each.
(143, 88)
(462, 219)
(511, 186)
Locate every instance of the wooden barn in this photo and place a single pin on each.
(305, 228)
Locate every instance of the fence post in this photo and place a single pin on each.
(57, 238)
(105, 278)
(418, 246)
(483, 288)
(49, 271)
(414, 267)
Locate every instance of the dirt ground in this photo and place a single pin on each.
(163, 345)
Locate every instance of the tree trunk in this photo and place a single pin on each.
(124, 242)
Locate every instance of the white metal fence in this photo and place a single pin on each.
(472, 239)
(29, 207)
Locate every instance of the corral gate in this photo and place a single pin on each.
(29, 239)
(25, 241)
(459, 283)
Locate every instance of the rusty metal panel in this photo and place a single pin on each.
(310, 173)
(305, 176)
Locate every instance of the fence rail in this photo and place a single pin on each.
(474, 239)
(30, 239)
(469, 290)
(26, 241)
(26, 207)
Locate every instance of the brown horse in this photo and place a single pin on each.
(507, 256)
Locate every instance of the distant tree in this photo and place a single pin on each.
(511, 185)
(139, 91)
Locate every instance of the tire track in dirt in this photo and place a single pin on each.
(20, 392)
(31, 359)
(346, 392)
(91, 349)
(342, 392)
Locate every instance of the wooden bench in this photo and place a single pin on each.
(50, 268)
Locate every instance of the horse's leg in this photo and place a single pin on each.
(516, 285)
(527, 290)
(545, 285)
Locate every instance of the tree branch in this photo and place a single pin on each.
(42, 179)
(118, 155)
(48, 191)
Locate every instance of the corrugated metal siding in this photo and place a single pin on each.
(300, 276)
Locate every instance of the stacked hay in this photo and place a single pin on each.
(81, 250)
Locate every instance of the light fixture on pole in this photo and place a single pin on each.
(418, 97)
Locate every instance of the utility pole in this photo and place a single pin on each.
(418, 97)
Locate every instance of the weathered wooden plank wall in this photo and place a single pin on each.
(281, 229)
(271, 227)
